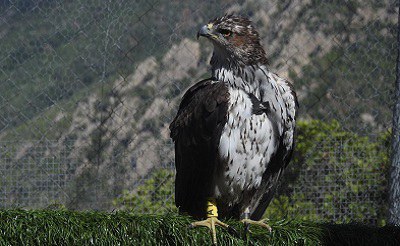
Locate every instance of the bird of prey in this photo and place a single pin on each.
(234, 132)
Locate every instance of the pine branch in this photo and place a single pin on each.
(63, 227)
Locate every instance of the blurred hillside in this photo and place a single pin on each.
(99, 81)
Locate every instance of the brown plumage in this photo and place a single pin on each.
(202, 116)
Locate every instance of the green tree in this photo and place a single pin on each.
(155, 195)
(334, 172)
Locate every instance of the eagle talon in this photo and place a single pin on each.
(261, 223)
(211, 223)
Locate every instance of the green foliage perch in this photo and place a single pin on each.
(62, 227)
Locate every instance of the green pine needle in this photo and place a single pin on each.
(63, 227)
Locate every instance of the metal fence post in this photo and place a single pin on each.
(394, 183)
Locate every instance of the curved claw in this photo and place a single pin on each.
(211, 223)
(259, 223)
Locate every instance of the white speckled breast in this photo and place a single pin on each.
(247, 143)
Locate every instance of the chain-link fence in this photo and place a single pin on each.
(88, 89)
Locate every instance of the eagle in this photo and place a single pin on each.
(233, 132)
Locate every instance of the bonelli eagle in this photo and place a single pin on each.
(234, 132)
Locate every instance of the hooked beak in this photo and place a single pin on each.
(205, 31)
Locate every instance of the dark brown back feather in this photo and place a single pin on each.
(196, 131)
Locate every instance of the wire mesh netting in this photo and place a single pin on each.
(88, 89)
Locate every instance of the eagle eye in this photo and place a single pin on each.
(226, 33)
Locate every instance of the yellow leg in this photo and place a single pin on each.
(212, 219)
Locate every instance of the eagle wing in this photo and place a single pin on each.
(196, 131)
(285, 149)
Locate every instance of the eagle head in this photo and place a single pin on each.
(235, 40)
